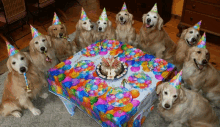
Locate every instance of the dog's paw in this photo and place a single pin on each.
(17, 114)
(44, 95)
(36, 111)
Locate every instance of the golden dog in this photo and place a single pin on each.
(185, 107)
(15, 95)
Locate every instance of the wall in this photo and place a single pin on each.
(177, 7)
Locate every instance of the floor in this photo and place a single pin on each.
(93, 12)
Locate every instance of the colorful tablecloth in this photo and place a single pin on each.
(108, 101)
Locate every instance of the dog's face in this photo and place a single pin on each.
(84, 25)
(169, 95)
(199, 56)
(124, 17)
(191, 36)
(152, 19)
(18, 62)
(58, 31)
(40, 44)
(102, 25)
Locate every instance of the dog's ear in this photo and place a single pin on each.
(160, 23)
(78, 26)
(182, 95)
(49, 40)
(64, 26)
(32, 46)
(109, 23)
(159, 88)
(188, 54)
(9, 65)
(131, 18)
(183, 34)
(144, 18)
(117, 19)
(27, 55)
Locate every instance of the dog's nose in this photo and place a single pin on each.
(204, 62)
(92, 26)
(121, 18)
(22, 69)
(42, 48)
(61, 34)
(148, 20)
(100, 28)
(193, 40)
(167, 106)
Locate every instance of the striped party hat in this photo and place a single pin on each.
(11, 49)
(176, 80)
(56, 20)
(197, 25)
(124, 7)
(34, 32)
(103, 16)
(202, 42)
(154, 9)
(83, 15)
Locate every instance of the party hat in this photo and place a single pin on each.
(202, 42)
(83, 15)
(34, 32)
(197, 25)
(154, 9)
(103, 16)
(56, 20)
(124, 8)
(11, 49)
(176, 80)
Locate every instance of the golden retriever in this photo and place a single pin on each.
(185, 107)
(104, 30)
(125, 32)
(154, 39)
(60, 41)
(189, 37)
(84, 33)
(199, 74)
(15, 95)
(38, 47)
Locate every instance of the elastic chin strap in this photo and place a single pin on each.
(26, 81)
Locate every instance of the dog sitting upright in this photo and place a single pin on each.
(153, 38)
(63, 46)
(41, 51)
(125, 32)
(104, 28)
(84, 31)
(188, 38)
(23, 83)
(184, 107)
(199, 74)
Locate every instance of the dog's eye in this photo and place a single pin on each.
(84, 23)
(199, 52)
(119, 14)
(89, 20)
(155, 17)
(22, 58)
(98, 22)
(36, 42)
(61, 28)
(43, 40)
(165, 93)
(207, 54)
(126, 14)
(13, 63)
(191, 32)
(148, 15)
(104, 22)
(174, 96)
(55, 29)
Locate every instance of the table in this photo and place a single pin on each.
(110, 103)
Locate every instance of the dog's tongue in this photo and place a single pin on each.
(47, 57)
(147, 25)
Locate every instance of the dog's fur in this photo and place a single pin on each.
(125, 32)
(84, 33)
(37, 55)
(185, 107)
(59, 38)
(199, 74)
(188, 38)
(104, 30)
(154, 39)
(15, 96)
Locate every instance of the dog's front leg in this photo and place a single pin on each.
(27, 104)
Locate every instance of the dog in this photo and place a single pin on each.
(15, 95)
(188, 38)
(154, 39)
(185, 107)
(42, 53)
(63, 46)
(125, 32)
(200, 76)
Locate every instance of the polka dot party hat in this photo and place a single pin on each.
(83, 15)
(124, 8)
(103, 16)
(154, 9)
(34, 32)
(56, 20)
(176, 80)
(197, 25)
(11, 49)
(202, 42)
